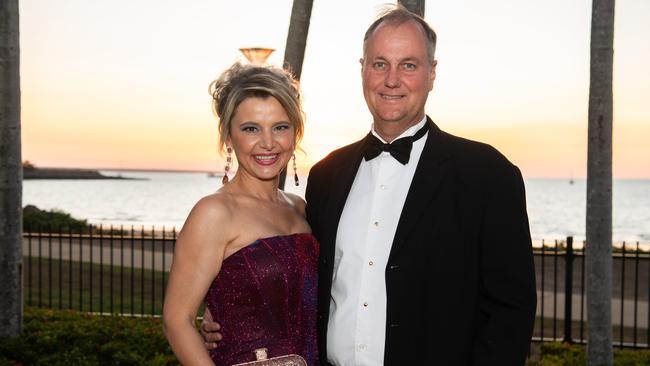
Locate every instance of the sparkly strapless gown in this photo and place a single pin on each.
(265, 297)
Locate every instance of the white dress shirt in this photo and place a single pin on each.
(357, 317)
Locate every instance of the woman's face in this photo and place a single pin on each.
(262, 137)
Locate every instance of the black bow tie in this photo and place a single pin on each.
(400, 149)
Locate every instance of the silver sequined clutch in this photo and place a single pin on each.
(263, 360)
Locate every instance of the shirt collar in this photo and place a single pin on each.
(409, 132)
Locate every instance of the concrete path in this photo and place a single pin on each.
(130, 255)
(556, 304)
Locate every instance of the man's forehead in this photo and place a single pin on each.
(392, 27)
(396, 43)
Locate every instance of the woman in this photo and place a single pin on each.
(247, 249)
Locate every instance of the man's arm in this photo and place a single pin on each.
(507, 295)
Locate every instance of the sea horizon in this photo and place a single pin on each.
(301, 171)
(556, 207)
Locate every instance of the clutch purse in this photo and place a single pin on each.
(263, 360)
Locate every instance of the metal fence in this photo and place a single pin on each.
(124, 270)
(98, 269)
(562, 302)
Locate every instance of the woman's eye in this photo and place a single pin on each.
(282, 127)
(249, 129)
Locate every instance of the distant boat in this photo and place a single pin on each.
(214, 175)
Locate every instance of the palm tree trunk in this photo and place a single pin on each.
(599, 186)
(11, 301)
(294, 52)
(414, 6)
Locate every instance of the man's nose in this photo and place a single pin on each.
(391, 79)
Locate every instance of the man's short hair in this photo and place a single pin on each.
(397, 15)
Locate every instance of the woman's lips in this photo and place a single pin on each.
(265, 159)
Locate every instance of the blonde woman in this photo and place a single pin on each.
(247, 250)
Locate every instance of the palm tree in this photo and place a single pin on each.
(599, 186)
(414, 6)
(11, 301)
(294, 52)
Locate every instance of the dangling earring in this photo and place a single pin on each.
(226, 169)
(295, 171)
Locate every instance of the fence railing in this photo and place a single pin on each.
(561, 295)
(124, 270)
(98, 269)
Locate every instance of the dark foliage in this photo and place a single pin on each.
(72, 338)
(35, 220)
(556, 354)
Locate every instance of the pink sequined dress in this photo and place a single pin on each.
(265, 297)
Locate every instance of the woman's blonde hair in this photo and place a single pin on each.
(240, 82)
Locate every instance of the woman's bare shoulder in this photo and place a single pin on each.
(296, 202)
(216, 203)
(209, 216)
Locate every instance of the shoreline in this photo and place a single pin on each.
(64, 173)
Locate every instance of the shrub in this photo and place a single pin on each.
(562, 354)
(631, 358)
(72, 338)
(556, 354)
(35, 219)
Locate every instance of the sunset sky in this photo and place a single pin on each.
(123, 83)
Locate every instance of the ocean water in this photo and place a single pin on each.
(556, 208)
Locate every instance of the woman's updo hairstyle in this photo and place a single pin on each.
(240, 82)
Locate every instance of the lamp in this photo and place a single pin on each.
(257, 55)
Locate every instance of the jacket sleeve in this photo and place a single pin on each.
(507, 292)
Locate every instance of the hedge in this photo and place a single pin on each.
(556, 354)
(52, 337)
(36, 219)
(55, 337)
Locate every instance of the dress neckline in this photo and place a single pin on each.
(258, 241)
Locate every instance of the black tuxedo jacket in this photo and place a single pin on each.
(460, 279)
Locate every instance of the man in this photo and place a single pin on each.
(426, 260)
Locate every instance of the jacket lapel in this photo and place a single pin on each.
(432, 168)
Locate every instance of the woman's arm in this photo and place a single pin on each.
(198, 256)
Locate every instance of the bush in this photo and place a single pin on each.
(556, 354)
(35, 219)
(631, 358)
(72, 338)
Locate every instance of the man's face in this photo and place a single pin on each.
(397, 77)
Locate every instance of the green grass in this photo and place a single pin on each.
(67, 285)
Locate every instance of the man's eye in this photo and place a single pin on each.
(409, 66)
(379, 65)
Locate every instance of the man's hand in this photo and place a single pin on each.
(210, 331)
